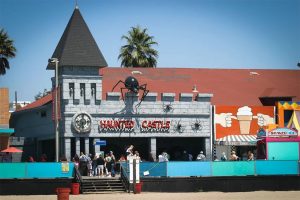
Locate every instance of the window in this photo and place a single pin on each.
(43, 113)
(82, 90)
(71, 90)
(93, 90)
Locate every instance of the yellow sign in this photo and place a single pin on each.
(65, 167)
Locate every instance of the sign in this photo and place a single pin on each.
(101, 143)
(155, 126)
(65, 168)
(282, 132)
(116, 125)
(241, 120)
(129, 125)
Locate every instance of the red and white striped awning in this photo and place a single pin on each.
(237, 140)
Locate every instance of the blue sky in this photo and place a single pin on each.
(190, 34)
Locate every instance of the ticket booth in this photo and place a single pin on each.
(279, 144)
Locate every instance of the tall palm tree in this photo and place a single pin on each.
(7, 50)
(138, 51)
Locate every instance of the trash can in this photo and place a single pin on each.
(138, 188)
(63, 193)
(75, 188)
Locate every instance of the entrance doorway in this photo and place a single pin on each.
(119, 146)
(176, 147)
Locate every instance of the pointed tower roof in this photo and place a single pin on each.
(77, 47)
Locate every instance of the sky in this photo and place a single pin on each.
(190, 34)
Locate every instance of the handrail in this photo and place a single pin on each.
(124, 178)
(77, 175)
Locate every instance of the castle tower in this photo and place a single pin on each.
(79, 61)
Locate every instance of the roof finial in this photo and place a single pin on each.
(76, 6)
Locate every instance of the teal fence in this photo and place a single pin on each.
(233, 168)
(158, 169)
(36, 170)
(228, 168)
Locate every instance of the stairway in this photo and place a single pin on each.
(102, 185)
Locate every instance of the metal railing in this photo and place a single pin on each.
(124, 172)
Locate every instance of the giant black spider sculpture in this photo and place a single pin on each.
(132, 85)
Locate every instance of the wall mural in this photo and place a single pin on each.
(244, 120)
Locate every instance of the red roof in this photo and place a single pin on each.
(228, 86)
(40, 102)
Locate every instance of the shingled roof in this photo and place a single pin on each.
(228, 86)
(77, 46)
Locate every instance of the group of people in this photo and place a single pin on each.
(97, 165)
(102, 165)
(234, 157)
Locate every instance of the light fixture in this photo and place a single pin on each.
(195, 89)
(254, 73)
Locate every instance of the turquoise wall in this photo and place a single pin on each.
(177, 169)
(35, 170)
(228, 168)
(268, 167)
(233, 168)
(283, 150)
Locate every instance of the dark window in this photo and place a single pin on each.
(93, 91)
(71, 90)
(82, 90)
(43, 113)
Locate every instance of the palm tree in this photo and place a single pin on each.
(138, 51)
(7, 50)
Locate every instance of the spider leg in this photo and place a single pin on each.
(118, 84)
(122, 93)
(145, 91)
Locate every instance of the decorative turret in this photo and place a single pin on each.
(77, 47)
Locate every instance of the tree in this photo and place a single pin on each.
(138, 51)
(7, 50)
(42, 94)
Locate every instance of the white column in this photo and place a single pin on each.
(208, 148)
(153, 147)
(77, 142)
(68, 149)
(86, 146)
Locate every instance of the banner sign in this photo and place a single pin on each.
(282, 132)
(129, 126)
(116, 125)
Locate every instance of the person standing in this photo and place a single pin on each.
(100, 165)
(94, 165)
(83, 164)
(201, 156)
(223, 157)
(233, 156)
(250, 156)
(129, 150)
(113, 163)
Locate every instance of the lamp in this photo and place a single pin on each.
(195, 89)
(55, 60)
